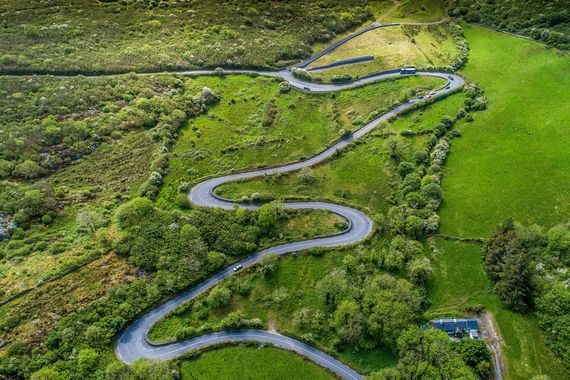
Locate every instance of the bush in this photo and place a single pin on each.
(218, 297)
(133, 212)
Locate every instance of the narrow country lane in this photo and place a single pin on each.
(134, 344)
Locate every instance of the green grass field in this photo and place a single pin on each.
(232, 136)
(392, 47)
(243, 362)
(360, 176)
(460, 284)
(513, 159)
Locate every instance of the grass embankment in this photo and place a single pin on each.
(513, 159)
(392, 47)
(105, 36)
(460, 284)
(256, 125)
(251, 363)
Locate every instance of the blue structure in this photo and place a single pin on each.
(458, 327)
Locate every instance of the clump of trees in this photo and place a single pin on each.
(507, 264)
(419, 195)
(430, 354)
(543, 20)
(530, 269)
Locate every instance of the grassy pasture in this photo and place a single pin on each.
(360, 175)
(460, 284)
(245, 362)
(513, 159)
(392, 47)
(302, 125)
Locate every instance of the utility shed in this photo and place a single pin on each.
(458, 327)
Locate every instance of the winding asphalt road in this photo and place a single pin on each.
(134, 343)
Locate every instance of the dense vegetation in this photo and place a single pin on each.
(545, 20)
(174, 250)
(530, 269)
(89, 36)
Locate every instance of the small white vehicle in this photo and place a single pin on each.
(238, 267)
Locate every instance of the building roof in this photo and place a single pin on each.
(457, 324)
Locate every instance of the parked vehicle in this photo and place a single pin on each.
(306, 88)
(238, 267)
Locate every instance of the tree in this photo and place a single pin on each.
(269, 214)
(432, 191)
(559, 243)
(348, 322)
(420, 271)
(429, 354)
(87, 361)
(400, 251)
(89, 219)
(5, 169)
(514, 285)
(415, 227)
(554, 317)
(390, 305)
(145, 369)
(476, 355)
(405, 168)
(34, 203)
(28, 170)
(134, 212)
(508, 265)
(334, 287)
(268, 264)
(502, 243)
(117, 370)
(46, 373)
(306, 176)
(218, 297)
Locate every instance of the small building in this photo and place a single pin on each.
(458, 327)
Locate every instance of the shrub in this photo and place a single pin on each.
(218, 297)
(133, 212)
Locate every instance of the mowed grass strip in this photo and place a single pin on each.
(513, 160)
(244, 362)
(460, 284)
